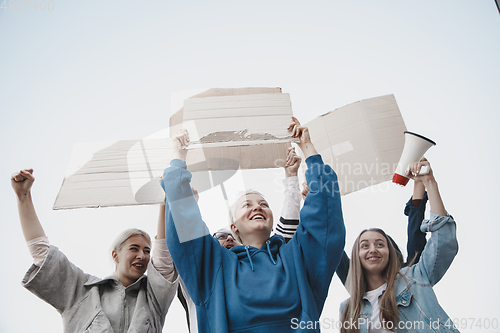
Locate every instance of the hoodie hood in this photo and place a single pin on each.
(271, 247)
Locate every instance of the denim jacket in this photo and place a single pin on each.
(84, 300)
(419, 309)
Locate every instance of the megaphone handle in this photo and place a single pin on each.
(424, 170)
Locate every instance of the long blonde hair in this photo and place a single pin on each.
(356, 285)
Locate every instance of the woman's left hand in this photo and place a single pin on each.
(292, 163)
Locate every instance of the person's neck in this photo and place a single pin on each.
(374, 281)
(256, 240)
(124, 281)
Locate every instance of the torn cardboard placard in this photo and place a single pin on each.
(128, 172)
(362, 141)
(237, 120)
(251, 121)
(115, 174)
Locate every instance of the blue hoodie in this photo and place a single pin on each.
(277, 288)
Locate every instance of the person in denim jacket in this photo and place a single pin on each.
(414, 209)
(127, 301)
(388, 298)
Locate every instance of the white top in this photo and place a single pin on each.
(373, 296)
(291, 206)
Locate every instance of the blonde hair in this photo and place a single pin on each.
(232, 210)
(117, 245)
(356, 286)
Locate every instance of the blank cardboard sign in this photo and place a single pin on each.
(243, 128)
(362, 141)
(128, 172)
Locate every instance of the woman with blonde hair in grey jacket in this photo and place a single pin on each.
(126, 301)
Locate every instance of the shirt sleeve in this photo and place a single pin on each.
(197, 255)
(290, 214)
(439, 251)
(57, 281)
(320, 236)
(39, 248)
(416, 238)
(163, 287)
(162, 260)
(343, 268)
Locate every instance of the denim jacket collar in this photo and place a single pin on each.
(403, 296)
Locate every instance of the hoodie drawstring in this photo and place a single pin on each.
(249, 258)
(268, 251)
(270, 254)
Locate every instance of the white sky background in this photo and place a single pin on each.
(104, 70)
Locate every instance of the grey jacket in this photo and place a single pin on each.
(90, 304)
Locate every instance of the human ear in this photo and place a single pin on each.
(234, 229)
(114, 254)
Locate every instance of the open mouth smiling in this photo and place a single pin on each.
(138, 266)
(258, 217)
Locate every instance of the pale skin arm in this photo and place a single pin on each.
(430, 183)
(302, 133)
(418, 187)
(418, 191)
(21, 184)
(292, 163)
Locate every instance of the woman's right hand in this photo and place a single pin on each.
(180, 142)
(299, 131)
(302, 132)
(22, 181)
(414, 170)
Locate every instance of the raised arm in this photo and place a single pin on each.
(320, 236)
(53, 277)
(442, 246)
(193, 250)
(430, 183)
(415, 210)
(21, 183)
(290, 214)
(161, 258)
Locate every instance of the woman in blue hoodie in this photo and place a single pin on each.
(263, 285)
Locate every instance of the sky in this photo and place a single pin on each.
(84, 71)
